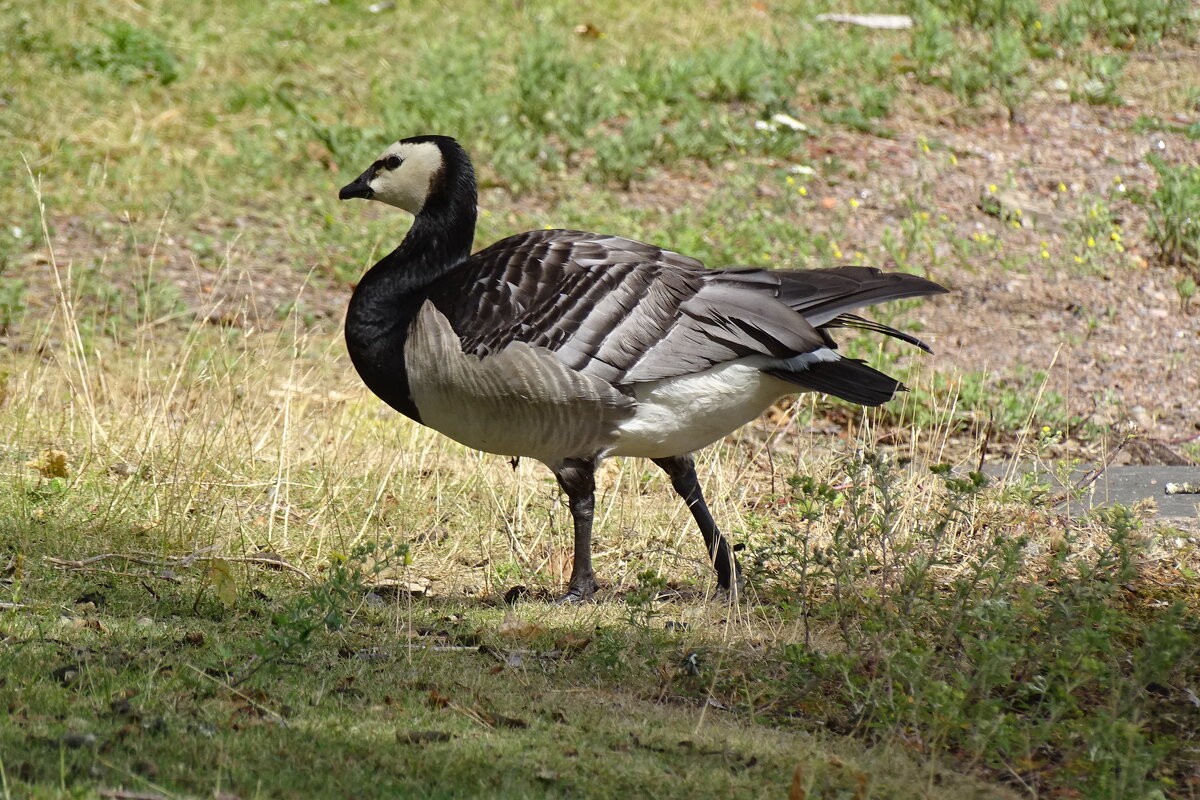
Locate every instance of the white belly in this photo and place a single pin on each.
(681, 415)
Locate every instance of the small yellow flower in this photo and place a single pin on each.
(1120, 248)
(1046, 254)
(943, 218)
(1062, 187)
(1116, 179)
(1017, 211)
(1045, 429)
(1078, 259)
(802, 191)
(853, 203)
(991, 187)
(1115, 236)
(1091, 242)
(953, 160)
(791, 181)
(1037, 24)
(837, 253)
(925, 215)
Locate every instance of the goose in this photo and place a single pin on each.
(570, 347)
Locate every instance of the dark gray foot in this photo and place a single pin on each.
(580, 590)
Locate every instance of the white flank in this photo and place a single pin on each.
(681, 415)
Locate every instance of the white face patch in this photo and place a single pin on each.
(407, 185)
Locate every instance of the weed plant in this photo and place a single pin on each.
(1174, 208)
(1038, 664)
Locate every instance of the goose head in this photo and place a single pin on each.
(407, 174)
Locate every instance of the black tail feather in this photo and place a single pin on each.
(847, 378)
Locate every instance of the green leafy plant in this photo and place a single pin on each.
(128, 54)
(1174, 213)
(1127, 23)
(1186, 288)
(1102, 74)
(641, 601)
(1008, 69)
(325, 605)
(1026, 661)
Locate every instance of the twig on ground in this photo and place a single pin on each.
(174, 561)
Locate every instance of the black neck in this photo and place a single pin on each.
(391, 293)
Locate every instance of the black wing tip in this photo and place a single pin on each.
(926, 286)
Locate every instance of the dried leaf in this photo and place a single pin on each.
(52, 464)
(572, 641)
(588, 31)
(797, 792)
(514, 627)
(394, 587)
(221, 577)
(501, 721)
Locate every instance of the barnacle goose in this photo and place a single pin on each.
(570, 347)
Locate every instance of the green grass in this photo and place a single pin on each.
(174, 393)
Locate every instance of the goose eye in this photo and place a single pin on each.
(391, 162)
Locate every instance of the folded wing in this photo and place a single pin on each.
(628, 312)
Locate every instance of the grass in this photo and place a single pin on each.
(220, 556)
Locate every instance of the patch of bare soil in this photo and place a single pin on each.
(1118, 344)
(1114, 338)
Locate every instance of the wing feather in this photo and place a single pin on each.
(629, 312)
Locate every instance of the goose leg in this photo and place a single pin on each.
(682, 471)
(577, 477)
